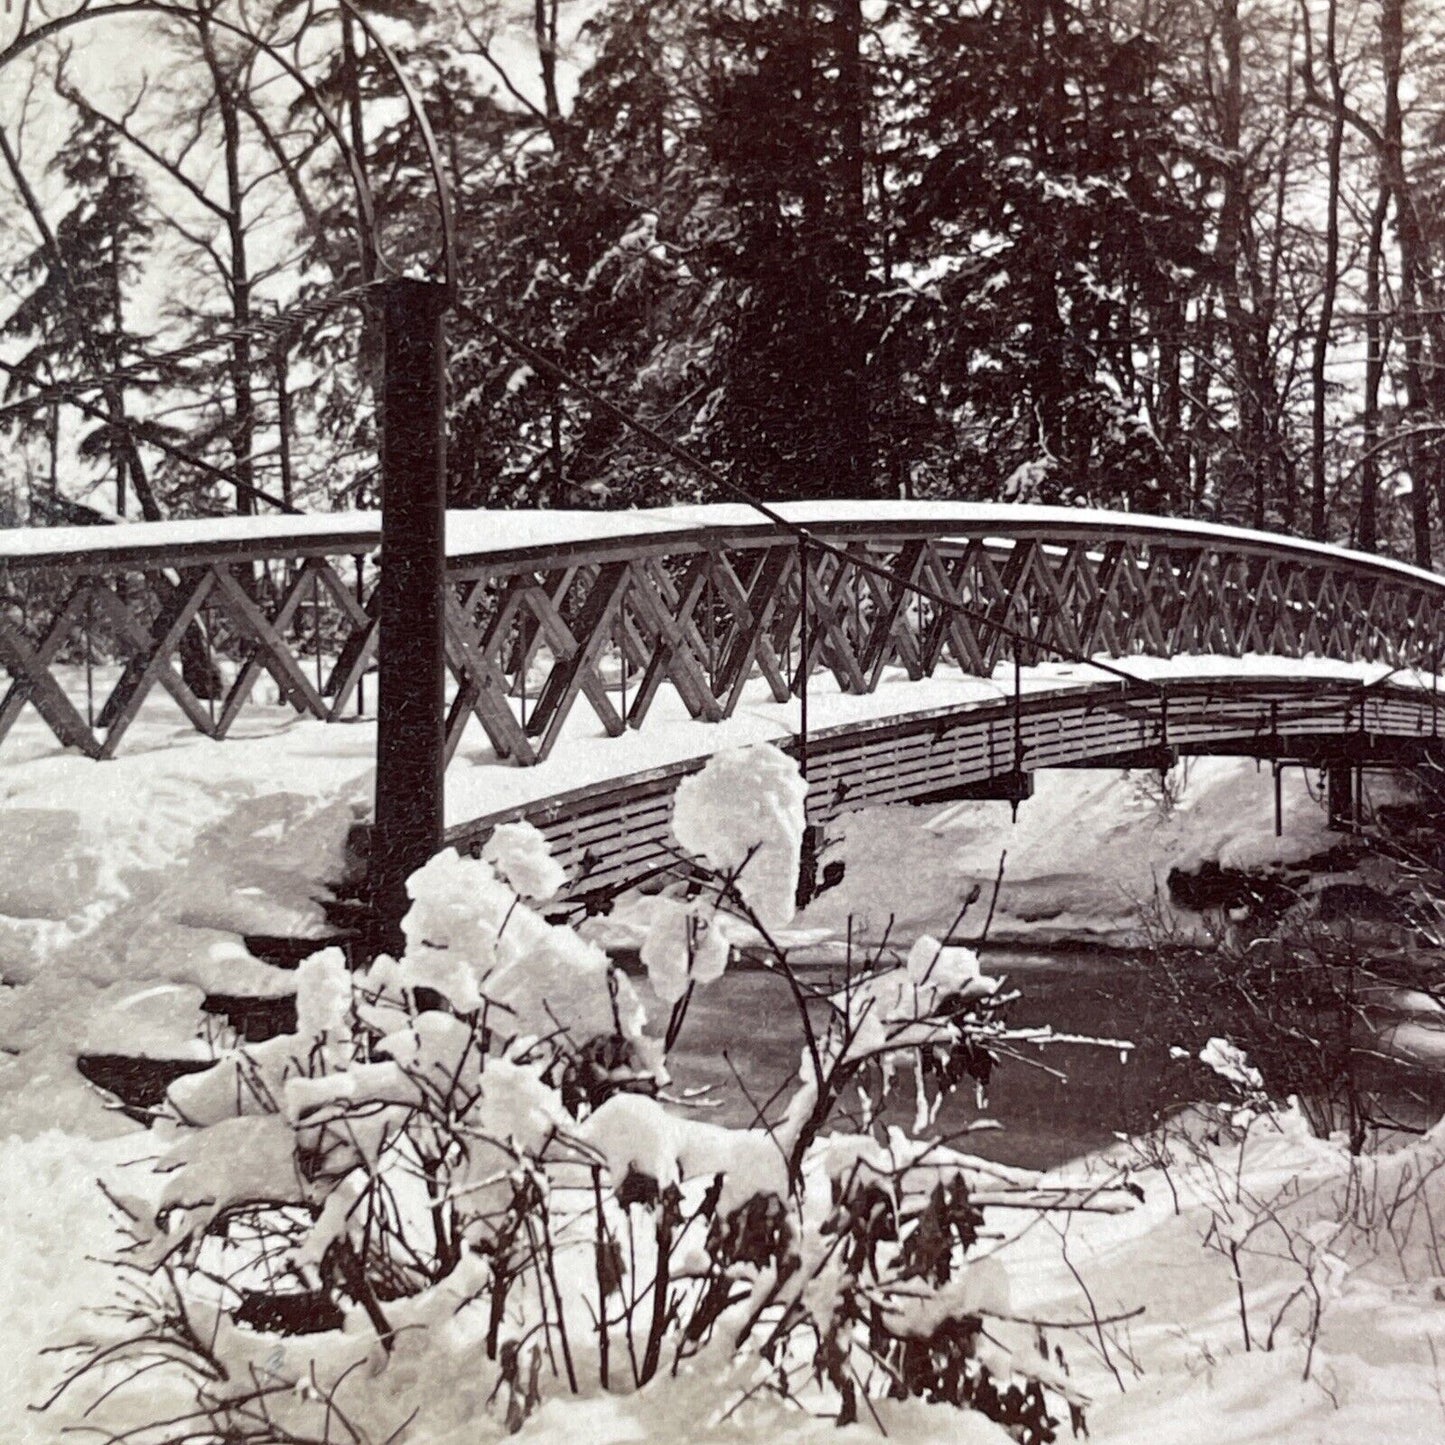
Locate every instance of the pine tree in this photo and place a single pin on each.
(792, 110)
(584, 235)
(1041, 200)
(73, 312)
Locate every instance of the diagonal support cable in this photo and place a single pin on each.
(804, 535)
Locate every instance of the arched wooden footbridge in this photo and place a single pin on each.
(1032, 637)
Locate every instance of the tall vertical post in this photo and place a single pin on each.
(812, 835)
(411, 681)
(804, 654)
(1341, 780)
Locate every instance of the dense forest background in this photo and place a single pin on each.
(1180, 256)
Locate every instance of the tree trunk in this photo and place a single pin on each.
(856, 458)
(1369, 528)
(1252, 443)
(1330, 281)
(1169, 402)
(544, 29)
(118, 452)
(1200, 424)
(283, 425)
(243, 418)
(351, 90)
(1411, 243)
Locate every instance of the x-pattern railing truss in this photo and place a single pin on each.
(529, 640)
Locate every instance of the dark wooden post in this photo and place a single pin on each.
(411, 682)
(1341, 789)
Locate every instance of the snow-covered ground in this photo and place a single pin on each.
(124, 885)
(124, 888)
(1083, 857)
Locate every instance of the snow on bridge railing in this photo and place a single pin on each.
(549, 608)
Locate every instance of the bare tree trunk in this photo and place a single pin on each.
(544, 29)
(1169, 401)
(1331, 279)
(1369, 528)
(1421, 455)
(52, 433)
(283, 425)
(370, 361)
(1253, 444)
(853, 97)
(243, 419)
(1201, 377)
(118, 451)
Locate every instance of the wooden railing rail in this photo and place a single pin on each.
(549, 611)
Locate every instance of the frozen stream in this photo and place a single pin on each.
(747, 1020)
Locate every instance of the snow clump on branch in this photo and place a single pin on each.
(520, 853)
(744, 813)
(410, 1174)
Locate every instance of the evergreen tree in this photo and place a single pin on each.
(792, 110)
(586, 237)
(73, 312)
(1040, 199)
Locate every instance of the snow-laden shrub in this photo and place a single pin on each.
(458, 1188)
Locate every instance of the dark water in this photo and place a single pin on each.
(747, 1022)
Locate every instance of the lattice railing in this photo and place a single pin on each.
(223, 617)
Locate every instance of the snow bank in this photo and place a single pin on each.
(1310, 1225)
(55, 1229)
(155, 867)
(1084, 855)
(127, 887)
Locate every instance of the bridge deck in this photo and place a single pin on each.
(593, 656)
(604, 802)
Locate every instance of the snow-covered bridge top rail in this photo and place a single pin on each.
(551, 607)
(492, 538)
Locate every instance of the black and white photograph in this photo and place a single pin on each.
(722, 721)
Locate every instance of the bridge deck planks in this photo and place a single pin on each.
(623, 829)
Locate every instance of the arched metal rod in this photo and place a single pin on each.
(123, 8)
(440, 186)
(369, 241)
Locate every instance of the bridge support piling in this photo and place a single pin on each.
(1342, 787)
(411, 676)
